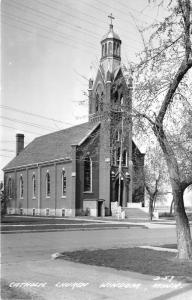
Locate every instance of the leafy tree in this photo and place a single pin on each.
(163, 100)
(8, 191)
(156, 178)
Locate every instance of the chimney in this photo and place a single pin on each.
(19, 142)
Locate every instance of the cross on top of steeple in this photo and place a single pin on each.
(112, 18)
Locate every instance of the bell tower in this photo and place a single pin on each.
(100, 89)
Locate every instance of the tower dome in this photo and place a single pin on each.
(111, 34)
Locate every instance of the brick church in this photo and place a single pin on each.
(85, 169)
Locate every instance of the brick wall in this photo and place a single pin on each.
(90, 146)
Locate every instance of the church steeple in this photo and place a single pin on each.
(110, 49)
(100, 93)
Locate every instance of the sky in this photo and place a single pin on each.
(50, 48)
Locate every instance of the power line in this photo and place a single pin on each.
(26, 123)
(36, 133)
(45, 37)
(33, 114)
(45, 28)
(71, 15)
(94, 18)
(50, 17)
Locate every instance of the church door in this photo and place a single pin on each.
(117, 191)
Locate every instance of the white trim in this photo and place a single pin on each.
(66, 159)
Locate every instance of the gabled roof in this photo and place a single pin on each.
(52, 146)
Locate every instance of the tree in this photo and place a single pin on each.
(162, 93)
(8, 191)
(155, 174)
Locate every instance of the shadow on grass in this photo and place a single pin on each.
(144, 261)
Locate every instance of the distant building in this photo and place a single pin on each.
(85, 168)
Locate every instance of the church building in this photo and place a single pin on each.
(87, 169)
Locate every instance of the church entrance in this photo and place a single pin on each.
(100, 208)
(117, 185)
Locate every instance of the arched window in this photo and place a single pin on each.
(118, 50)
(118, 155)
(121, 99)
(124, 158)
(115, 48)
(96, 103)
(87, 174)
(63, 183)
(21, 186)
(101, 101)
(99, 98)
(116, 96)
(110, 52)
(105, 49)
(117, 136)
(10, 187)
(48, 185)
(114, 157)
(33, 186)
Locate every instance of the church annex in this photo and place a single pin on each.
(85, 169)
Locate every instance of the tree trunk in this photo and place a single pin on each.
(184, 242)
(150, 208)
(171, 207)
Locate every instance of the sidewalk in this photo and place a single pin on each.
(78, 223)
(68, 280)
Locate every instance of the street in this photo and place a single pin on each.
(26, 258)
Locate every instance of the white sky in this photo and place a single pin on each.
(48, 47)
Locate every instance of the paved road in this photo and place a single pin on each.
(40, 245)
(26, 257)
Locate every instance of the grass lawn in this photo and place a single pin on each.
(40, 220)
(145, 261)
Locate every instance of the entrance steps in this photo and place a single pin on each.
(135, 213)
(132, 211)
